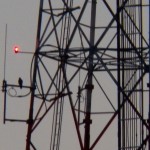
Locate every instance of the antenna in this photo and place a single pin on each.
(5, 51)
(4, 81)
(12, 86)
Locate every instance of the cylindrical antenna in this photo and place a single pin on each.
(4, 81)
(5, 52)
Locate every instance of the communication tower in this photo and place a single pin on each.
(89, 76)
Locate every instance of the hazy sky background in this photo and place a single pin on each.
(21, 17)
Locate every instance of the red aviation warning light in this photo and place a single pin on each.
(16, 49)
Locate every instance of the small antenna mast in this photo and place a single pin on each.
(5, 51)
(4, 81)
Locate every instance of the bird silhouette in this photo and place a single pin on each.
(20, 82)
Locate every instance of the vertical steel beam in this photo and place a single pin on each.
(31, 110)
(89, 85)
(118, 74)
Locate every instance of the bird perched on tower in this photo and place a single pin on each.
(20, 82)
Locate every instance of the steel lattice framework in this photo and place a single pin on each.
(90, 76)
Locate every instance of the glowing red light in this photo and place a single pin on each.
(16, 49)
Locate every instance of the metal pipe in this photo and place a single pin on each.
(89, 85)
(119, 77)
